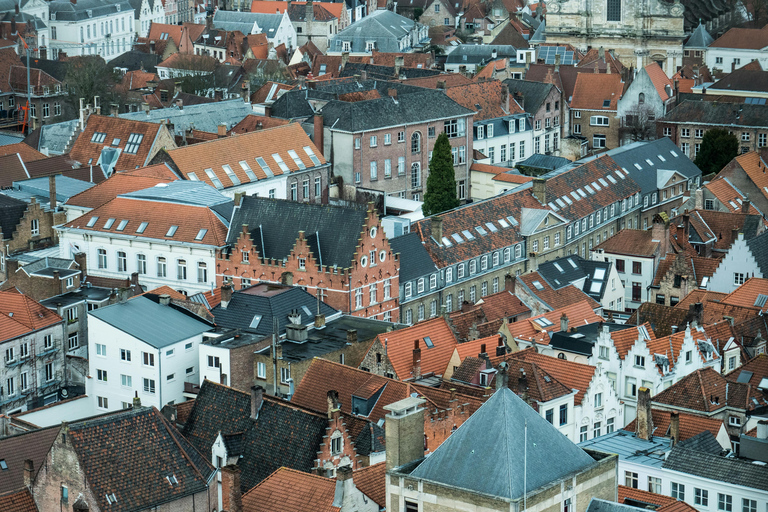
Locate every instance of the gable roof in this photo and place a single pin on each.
(290, 490)
(742, 39)
(593, 90)
(11, 212)
(371, 481)
(540, 327)
(631, 242)
(20, 315)
(731, 197)
(102, 131)
(575, 376)
(414, 259)
(661, 82)
(552, 298)
(748, 293)
(717, 113)
(690, 424)
(401, 343)
(492, 435)
(705, 390)
(14, 450)
(27, 153)
(534, 93)
(488, 95)
(625, 339)
(120, 183)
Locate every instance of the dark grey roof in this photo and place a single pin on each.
(56, 68)
(631, 156)
(700, 38)
(11, 212)
(49, 263)
(415, 261)
(547, 162)
(255, 312)
(598, 505)
(758, 246)
(56, 137)
(370, 439)
(205, 117)
(480, 53)
(93, 294)
(416, 107)
(384, 72)
(65, 10)
(135, 59)
(540, 35)
(717, 113)
(702, 442)
(384, 27)
(729, 470)
(9, 138)
(332, 231)
(151, 322)
(66, 187)
(493, 437)
(534, 93)
(583, 338)
(570, 269)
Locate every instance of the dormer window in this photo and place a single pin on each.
(90, 12)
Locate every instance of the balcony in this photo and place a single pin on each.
(191, 390)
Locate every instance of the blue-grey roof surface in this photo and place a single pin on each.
(384, 27)
(205, 117)
(700, 38)
(547, 162)
(244, 22)
(65, 187)
(195, 193)
(534, 93)
(540, 35)
(758, 246)
(480, 53)
(631, 448)
(56, 137)
(64, 10)
(9, 138)
(150, 322)
(415, 261)
(493, 438)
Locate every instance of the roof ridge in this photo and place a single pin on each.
(184, 454)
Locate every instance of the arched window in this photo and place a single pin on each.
(613, 11)
(641, 98)
(416, 142)
(181, 270)
(561, 356)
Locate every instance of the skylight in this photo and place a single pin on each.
(491, 226)
(481, 230)
(311, 154)
(572, 263)
(602, 182)
(552, 206)
(595, 287)
(599, 274)
(673, 153)
(558, 267)
(280, 162)
(503, 223)
(457, 237)
(638, 166)
(115, 142)
(618, 173)
(589, 189)
(142, 227)
(538, 285)
(98, 137)
(92, 222)
(296, 159)
(428, 342)
(171, 231)
(3, 465)
(581, 192)
(248, 171)
(467, 234)
(595, 185)
(761, 299)
(134, 140)
(122, 224)
(446, 242)
(560, 203)
(567, 199)
(214, 179)
(649, 161)
(662, 158)
(611, 179)
(606, 103)
(231, 174)
(108, 224)
(255, 322)
(543, 322)
(201, 234)
(575, 195)
(192, 176)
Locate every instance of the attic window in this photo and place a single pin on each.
(760, 302)
(142, 227)
(193, 177)
(172, 480)
(481, 230)
(572, 263)
(115, 142)
(201, 234)
(280, 162)
(134, 140)
(558, 267)
(231, 174)
(428, 342)
(92, 222)
(595, 287)
(171, 231)
(606, 103)
(311, 155)
(673, 152)
(98, 137)
(467, 234)
(255, 322)
(214, 179)
(543, 322)
(248, 171)
(108, 224)
(296, 159)
(538, 285)
(503, 223)
(123, 223)
(111, 498)
(490, 226)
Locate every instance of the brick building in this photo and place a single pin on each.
(340, 253)
(543, 102)
(594, 109)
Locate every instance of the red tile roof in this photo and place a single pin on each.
(27, 153)
(728, 195)
(431, 82)
(705, 390)
(246, 147)
(401, 344)
(758, 365)
(573, 375)
(161, 31)
(18, 501)
(20, 315)
(631, 242)
(743, 38)
(491, 169)
(16, 449)
(592, 90)
(372, 482)
(512, 178)
(290, 490)
(660, 81)
(698, 295)
(556, 299)
(625, 339)
(690, 424)
(474, 347)
(755, 167)
(746, 294)
(531, 379)
(253, 122)
(118, 183)
(501, 305)
(664, 503)
(486, 98)
(529, 330)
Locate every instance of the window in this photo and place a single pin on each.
(181, 270)
(454, 128)
(141, 263)
(598, 141)
(416, 142)
(387, 289)
(24, 381)
(637, 267)
(71, 314)
(49, 372)
(374, 170)
(738, 278)
(748, 505)
(202, 272)
(604, 352)
(103, 404)
(640, 361)
(261, 370)
(583, 434)
(724, 502)
(374, 141)
(734, 421)
(161, 267)
(549, 415)
(598, 400)
(72, 341)
(563, 414)
(701, 497)
(678, 491)
(411, 506)
(134, 140)
(630, 389)
(619, 265)
(101, 350)
(305, 188)
(101, 375)
(149, 386)
(359, 297)
(102, 258)
(609, 426)
(415, 175)
(149, 358)
(35, 227)
(285, 374)
(599, 121)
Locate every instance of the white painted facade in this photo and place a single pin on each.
(510, 140)
(213, 354)
(628, 278)
(737, 266)
(599, 412)
(725, 58)
(124, 377)
(149, 12)
(92, 32)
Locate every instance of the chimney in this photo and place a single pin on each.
(151, 47)
(319, 321)
(177, 89)
(441, 84)
(501, 349)
(29, 471)
(698, 199)
(208, 23)
(564, 323)
(436, 225)
(405, 431)
(745, 205)
(416, 360)
(82, 262)
(644, 417)
(392, 92)
(686, 226)
(231, 499)
(540, 190)
(502, 376)
(310, 12)
(239, 198)
(222, 130)
(509, 283)
(483, 354)
(286, 279)
(165, 299)
(351, 336)
(226, 295)
(762, 429)
(505, 96)
(136, 400)
(52, 191)
(674, 427)
(660, 233)
(257, 397)
(267, 111)
(399, 64)
(318, 133)
(557, 63)
(601, 54)
(695, 312)
(16, 8)
(344, 59)
(494, 54)
(114, 109)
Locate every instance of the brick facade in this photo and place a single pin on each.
(328, 457)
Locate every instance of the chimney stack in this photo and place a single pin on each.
(52, 192)
(29, 472)
(540, 190)
(509, 283)
(399, 64)
(762, 429)
(351, 336)
(557, 63)
(416, 360)
(226, 295)
(502, 376)
(257, 397)
(309, 15)
(318, 133)
(436, 224)
(644, 416)
(745, 205)
(405, 431)
(441, 84)
(286, 279)
(319, 321)
(222, 130)
(165, 299)
(674, 427)
(231, 499)
(564, 323)
(501, 348)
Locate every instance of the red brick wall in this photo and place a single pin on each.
(324, 455)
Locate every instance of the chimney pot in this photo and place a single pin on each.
(222, 130)
(674, 427)
(351, 335)
(165, 299)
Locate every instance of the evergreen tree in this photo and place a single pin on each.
(441, 184)
(718, 147)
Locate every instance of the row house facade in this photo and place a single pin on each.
(91, 28)
(542, 101)
(594, 109)
(340, 254)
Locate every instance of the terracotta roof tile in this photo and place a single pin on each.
(20, 315)
(556, 299)
(758, 365)
(27, 153)
(729, 195)
(592, 90)
(371, 481)
(529, 329)
(246, 147)
(491, 169)
(755, 167)
(118, 183)
(631, 242)
(690, 424)
(507, 177)
(532, 380)
(467, 370)
(664, 503)
(161, 31)
(743, 38)
(401, 344)
(661, 317)
(253, 123)
(291, 491)
(486, 98)
(500, 305)
(660, 80)
(573, 375)
(746, 295)
(705, 390)
(625, 339)
(18, 501)
(699, 295)
(119, 130)
(474, 347)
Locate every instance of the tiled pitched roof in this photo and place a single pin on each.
(664, 503)
(159, 219)
(371, 481)
(730, 196)
(690, 424)
(27, 153)
(718, 113)
(502, 304)
(323, 376)
(747, 294)
(531, 379)
(699, 295)
(592, 60)
(696, 267)
(162, 31)
(269, 442)
(401, 344)
(625, 339)
(573, 375)
(20, 315)
(488, 95)
(182, 61)
(758, 365)
(468, 369)
(246, 147)
(705, 390)
(254, 122)
(556, 299)
(474, 347)
(672, 345)
(631, 242)
(593, 90)
(660, 81)
(661, 317)
(292, 491)
(118, 183)
(450, 80)
(117, 133)
(754, 165)
(14, 450)
(530, 329)
(743, 38)
(18, 501)
(508, 177)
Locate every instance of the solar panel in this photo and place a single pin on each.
(547, 54)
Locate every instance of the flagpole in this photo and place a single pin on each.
(525, 469)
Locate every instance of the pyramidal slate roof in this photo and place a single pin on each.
(700, 38)
(494, 437)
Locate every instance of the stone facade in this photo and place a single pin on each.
(377, 362)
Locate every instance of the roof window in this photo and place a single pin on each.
(467, 234)
(428, 342)
(311, 154)
(503, 223)
(446, 242)
(662, 158)
(134, 140)
(172, 480)
(558, 267)
(123, 223)
(201, 234)
(108, 224)
(192, 176)
(92, 222)
(606, 103)
(111, 498)
(280, 162)
(214, 179)
(171, 231)
(231, 174)
(611, 179)
(457, 237)
(481, 230)
(595, 287)
(264, 167)
(98, 137)
(760, 301)
(602, 182)
(543, 322)
(142, 227)
(673, 153)
(115, 142)
(490, 226)
(638, 166)
(248, 171)
(538, 285)
(3, 465)
(296, 159)
(572, 263)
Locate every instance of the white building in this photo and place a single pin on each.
(145, 347)
(277, 27)
(168, 234)
(91, 27)
(745, 259)
(736, 48)
(146, 12)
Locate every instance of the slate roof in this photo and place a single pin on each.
(534, 93)
(245, 21)
(269, 442)
(715, 113)
(480, 54)
(492, 435)
(289, 490)
(415, 261)
(631, 242)
(11, 212)
(700, 38)
(268, 302)
(14, 450)
(160, 326)
(569, 269)
(142, 446)
(67, 11)
(548, 162)
(205, 117)
(383, 26)
(333, 231)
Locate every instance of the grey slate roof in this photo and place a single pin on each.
(570, 269)
(11, 212)
(480, 53)
(195, 193)
(700, 38)
(702, 442)
(244, 307)
(65, 10)
(332, 231)
(493, 438)
(135, 59)
(534, 93)
(65, 187)
(719, 114)
(758, 246)
(539, 36)
(205, 117)
(244, 22)
(56, 137)
(548, 162)
(631, 448)
(8, 138)
(51, 263)
(415, 261)
(382, 26)
(159, 325)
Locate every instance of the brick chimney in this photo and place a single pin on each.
(231, 495)
(644, 417)
(416, 360)
(52, 191)
(660, 233)
(333, 404)
(351, 335)
(286, 279)
(222, 130)
(436, 225)
(745, 205)
(309, 15)
(257, 398)
(674, 427)
(509, 283)
(226, 295)
(318, 133)
(501, 348)
(540, 190)
(29, 472)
